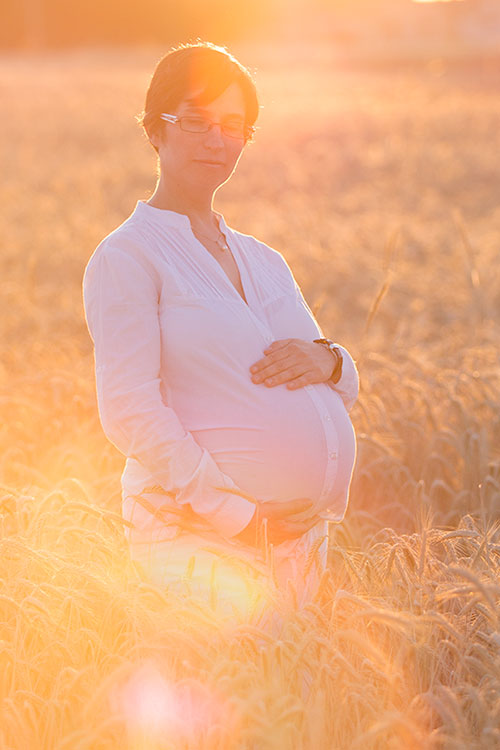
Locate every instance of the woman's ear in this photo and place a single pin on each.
(155, 138)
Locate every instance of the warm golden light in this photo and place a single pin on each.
(160, 710)
(374, 173)
(233, 589)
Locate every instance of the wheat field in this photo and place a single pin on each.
(380, 186)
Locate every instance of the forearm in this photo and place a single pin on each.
(121, 306)
(142, 427)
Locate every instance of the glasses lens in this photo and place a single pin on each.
(234, 129)
(202, 125)
(195, 124)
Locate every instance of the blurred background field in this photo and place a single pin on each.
(377, 178)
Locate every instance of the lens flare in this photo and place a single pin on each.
(234, 588)
(157, 709)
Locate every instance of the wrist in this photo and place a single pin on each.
(337, 368)
(337, 361)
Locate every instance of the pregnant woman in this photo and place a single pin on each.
(210, 376)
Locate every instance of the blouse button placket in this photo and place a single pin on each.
(332, 447)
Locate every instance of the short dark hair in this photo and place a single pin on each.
(191, 66)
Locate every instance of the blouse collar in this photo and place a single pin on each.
(168, 218)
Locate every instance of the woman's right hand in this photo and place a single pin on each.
(285, 520)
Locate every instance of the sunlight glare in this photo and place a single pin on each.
(155, 708)
(232, 587)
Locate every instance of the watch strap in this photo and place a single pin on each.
(337, 370)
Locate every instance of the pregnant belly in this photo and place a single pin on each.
(285, 444)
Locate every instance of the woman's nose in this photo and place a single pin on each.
(214, 135)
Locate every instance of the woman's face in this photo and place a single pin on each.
(184, 156)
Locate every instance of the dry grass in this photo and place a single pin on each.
(382, 191)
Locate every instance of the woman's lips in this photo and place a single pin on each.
(210, 163)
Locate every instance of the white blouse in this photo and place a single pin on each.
(173, 344)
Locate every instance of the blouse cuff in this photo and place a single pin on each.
(233, 515)
(348, 384)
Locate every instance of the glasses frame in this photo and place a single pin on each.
(250, 129)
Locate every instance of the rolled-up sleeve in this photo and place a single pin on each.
(121, 310)
(348, 384)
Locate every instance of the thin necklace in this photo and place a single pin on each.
(221, 241)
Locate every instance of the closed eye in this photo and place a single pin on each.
(232, 119)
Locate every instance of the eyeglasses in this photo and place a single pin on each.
(191, 124)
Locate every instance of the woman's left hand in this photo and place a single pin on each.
(295, 362)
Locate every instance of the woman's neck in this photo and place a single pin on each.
(200, 213)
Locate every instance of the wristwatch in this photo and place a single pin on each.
(337, 370)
